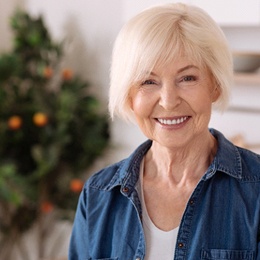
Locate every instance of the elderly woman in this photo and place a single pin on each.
(187, 192)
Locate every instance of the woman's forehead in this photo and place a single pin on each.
(181, 60)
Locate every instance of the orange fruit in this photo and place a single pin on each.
(67, 74)
(47, 207)
(40, 119)
(76, 185)
(15, 122)
(47, 72)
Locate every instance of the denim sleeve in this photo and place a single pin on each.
(258, 246)
(78, 241)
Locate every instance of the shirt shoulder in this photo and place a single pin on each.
(104, 178)
(124, 172)
(250, 163)
(238, 162)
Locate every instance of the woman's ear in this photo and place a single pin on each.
(130, 99)
(216, 92)
(130, 102)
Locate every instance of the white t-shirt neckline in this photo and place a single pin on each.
(159, 244)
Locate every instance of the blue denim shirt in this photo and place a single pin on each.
(221, 219)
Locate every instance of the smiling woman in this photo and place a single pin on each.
(187, 192)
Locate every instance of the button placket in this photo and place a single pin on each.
(185, 227)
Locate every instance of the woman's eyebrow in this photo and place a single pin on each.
(152, 73)
(187, 67)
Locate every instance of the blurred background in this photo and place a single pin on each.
(86, 30)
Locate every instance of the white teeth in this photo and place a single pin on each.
(172, 122)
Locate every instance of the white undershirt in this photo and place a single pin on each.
(159, 244)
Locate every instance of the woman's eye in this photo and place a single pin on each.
(188, 78)
(148, 82)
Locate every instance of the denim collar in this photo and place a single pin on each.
(227, 160)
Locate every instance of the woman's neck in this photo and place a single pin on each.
(181, 164)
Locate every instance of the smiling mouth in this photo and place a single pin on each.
(172, 121)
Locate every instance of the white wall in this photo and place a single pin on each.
(6, 9)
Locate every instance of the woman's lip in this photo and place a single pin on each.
(172, 121)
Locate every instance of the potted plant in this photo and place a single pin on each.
(51, 130)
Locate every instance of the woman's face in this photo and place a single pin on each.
(172, 105)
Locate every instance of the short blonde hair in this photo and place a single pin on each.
(157, 36)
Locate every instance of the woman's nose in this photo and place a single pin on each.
(169, 97)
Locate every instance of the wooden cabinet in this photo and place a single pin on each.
(247, 79)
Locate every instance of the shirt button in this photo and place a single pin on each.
(138, 258)
(191, 202)
(125, 189)
(180, 245)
